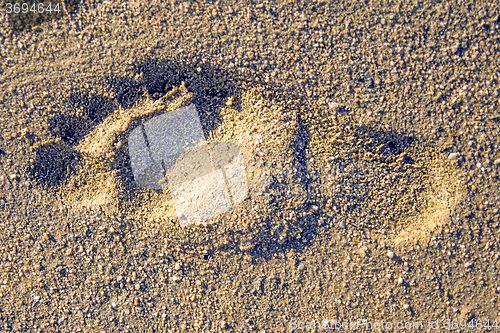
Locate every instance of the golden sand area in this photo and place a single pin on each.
(369, 134)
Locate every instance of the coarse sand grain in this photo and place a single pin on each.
(369, 134)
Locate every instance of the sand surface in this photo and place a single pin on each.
(370, 136)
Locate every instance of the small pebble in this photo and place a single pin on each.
(400, 280)
(390, 254)
(406, 306)
(333, 105)
(453, 156)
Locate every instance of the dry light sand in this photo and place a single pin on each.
(370, 136)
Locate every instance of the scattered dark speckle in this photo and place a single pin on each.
(53, 163)
(351, 108)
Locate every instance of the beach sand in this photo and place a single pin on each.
(369, 132)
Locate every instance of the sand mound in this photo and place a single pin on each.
(377, 180)
(444, 192)
(103, 180)
(266, 132)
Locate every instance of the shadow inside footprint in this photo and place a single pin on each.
(54, 162)
(93, 110)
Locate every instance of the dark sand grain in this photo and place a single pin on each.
(346, 114)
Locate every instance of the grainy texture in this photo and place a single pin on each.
(346, 113)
